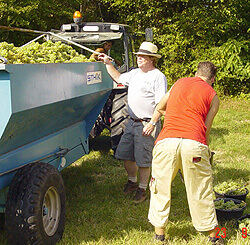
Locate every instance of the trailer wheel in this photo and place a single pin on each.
(35, 207)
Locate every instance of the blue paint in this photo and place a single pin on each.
(5, 100)
(46, 108)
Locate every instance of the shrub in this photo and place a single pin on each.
(232, 60)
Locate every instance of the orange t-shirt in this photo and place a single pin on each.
(187, 107)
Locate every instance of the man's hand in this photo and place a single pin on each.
(104, 58)
(148, 129)
(110, 68)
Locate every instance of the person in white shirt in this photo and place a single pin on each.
(146, 86)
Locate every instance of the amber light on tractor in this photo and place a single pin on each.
(77, 17)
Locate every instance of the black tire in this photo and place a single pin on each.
(103, 120)
(2, 221)
(119, 116)
(35, 207)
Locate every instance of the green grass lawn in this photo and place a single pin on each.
(99, 213)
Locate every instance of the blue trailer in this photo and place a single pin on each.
(47, 112)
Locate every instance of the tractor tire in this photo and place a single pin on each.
(103, 120)
(119, 116)
(35, 206)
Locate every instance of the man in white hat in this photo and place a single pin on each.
(146, 86)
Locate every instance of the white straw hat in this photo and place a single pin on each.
(148, 48)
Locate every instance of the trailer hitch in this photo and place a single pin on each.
(62, 152)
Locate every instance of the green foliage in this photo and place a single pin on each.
(232, 59)
(208, 31)
(243, 96)
(177, 55)
(41, 15)
(47, 52)
(186, 31)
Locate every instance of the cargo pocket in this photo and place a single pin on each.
(147, 150)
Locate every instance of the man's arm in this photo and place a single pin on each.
(214, 107)
(161, 107)
(110, 68)
(158, 112)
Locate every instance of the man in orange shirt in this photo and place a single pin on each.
(189, 108)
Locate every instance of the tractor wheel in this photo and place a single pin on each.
(119, 117)
(35, 207)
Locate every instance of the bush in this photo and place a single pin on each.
(232, 59)
(181, 57)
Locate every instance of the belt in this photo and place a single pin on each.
(140, 119)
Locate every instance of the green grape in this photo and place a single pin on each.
(228, 205)
(244, 223)
(47, 52)
(232, 188)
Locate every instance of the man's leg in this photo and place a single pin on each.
(213, 239)
(212, 233)
(159, 231)
(131, 169)
(144, 174)
(159, 234)
(199, 186)
(165, 166)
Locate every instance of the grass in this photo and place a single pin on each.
(99, 213)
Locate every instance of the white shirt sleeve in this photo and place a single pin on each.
(126, 77)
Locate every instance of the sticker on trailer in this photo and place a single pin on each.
(94, 77)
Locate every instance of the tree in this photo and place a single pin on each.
(189, 31)
(41, 15)
(184, 30)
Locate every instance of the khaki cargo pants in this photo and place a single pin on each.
(192, 158)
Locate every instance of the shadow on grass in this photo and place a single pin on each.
(101, 144)
(98, 207)
(218, 134)
(98, 210)
(225, 174)
(3, 239)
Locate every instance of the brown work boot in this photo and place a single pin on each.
(140, 195)
(130, 187)
(216, 241)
